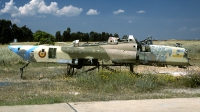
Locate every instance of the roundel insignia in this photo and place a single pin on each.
(42, 54)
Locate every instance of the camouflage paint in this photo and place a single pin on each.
(117, 53)
(122, 53)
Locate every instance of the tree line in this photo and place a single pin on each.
(92, 36)
(9, 32)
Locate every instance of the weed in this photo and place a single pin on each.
(146, 83)
(192, 81)
(165, 79)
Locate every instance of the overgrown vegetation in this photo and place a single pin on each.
(46, 83)
(100, 86)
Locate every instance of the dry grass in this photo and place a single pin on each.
(46, 82)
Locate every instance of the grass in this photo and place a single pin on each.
(102, 86)
(46, 83)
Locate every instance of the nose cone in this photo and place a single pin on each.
(14, 49)
(23, 51)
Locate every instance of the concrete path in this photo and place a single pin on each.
(149, 105)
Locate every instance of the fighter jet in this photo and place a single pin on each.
(127, 53)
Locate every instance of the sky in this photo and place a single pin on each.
(161, 19)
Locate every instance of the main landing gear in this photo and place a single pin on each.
(70, 68)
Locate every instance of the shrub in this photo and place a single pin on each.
(165, 79)
(105, 81)
(192, 80)
(146, 83)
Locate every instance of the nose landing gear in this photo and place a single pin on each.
(22, 68)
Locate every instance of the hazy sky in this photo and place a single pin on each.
(161, 19)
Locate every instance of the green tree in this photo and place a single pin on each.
(27, 34)
(103, 34)
(107, 35)
(66, 35)
(43, 37)
(93, 36)
(125, 37)
(79, 36)
(73, 36)
(9, 32)
(16, 33)
(85, 37)
(58, 36)
(116, 35)
(5, 31)
(99, 38)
